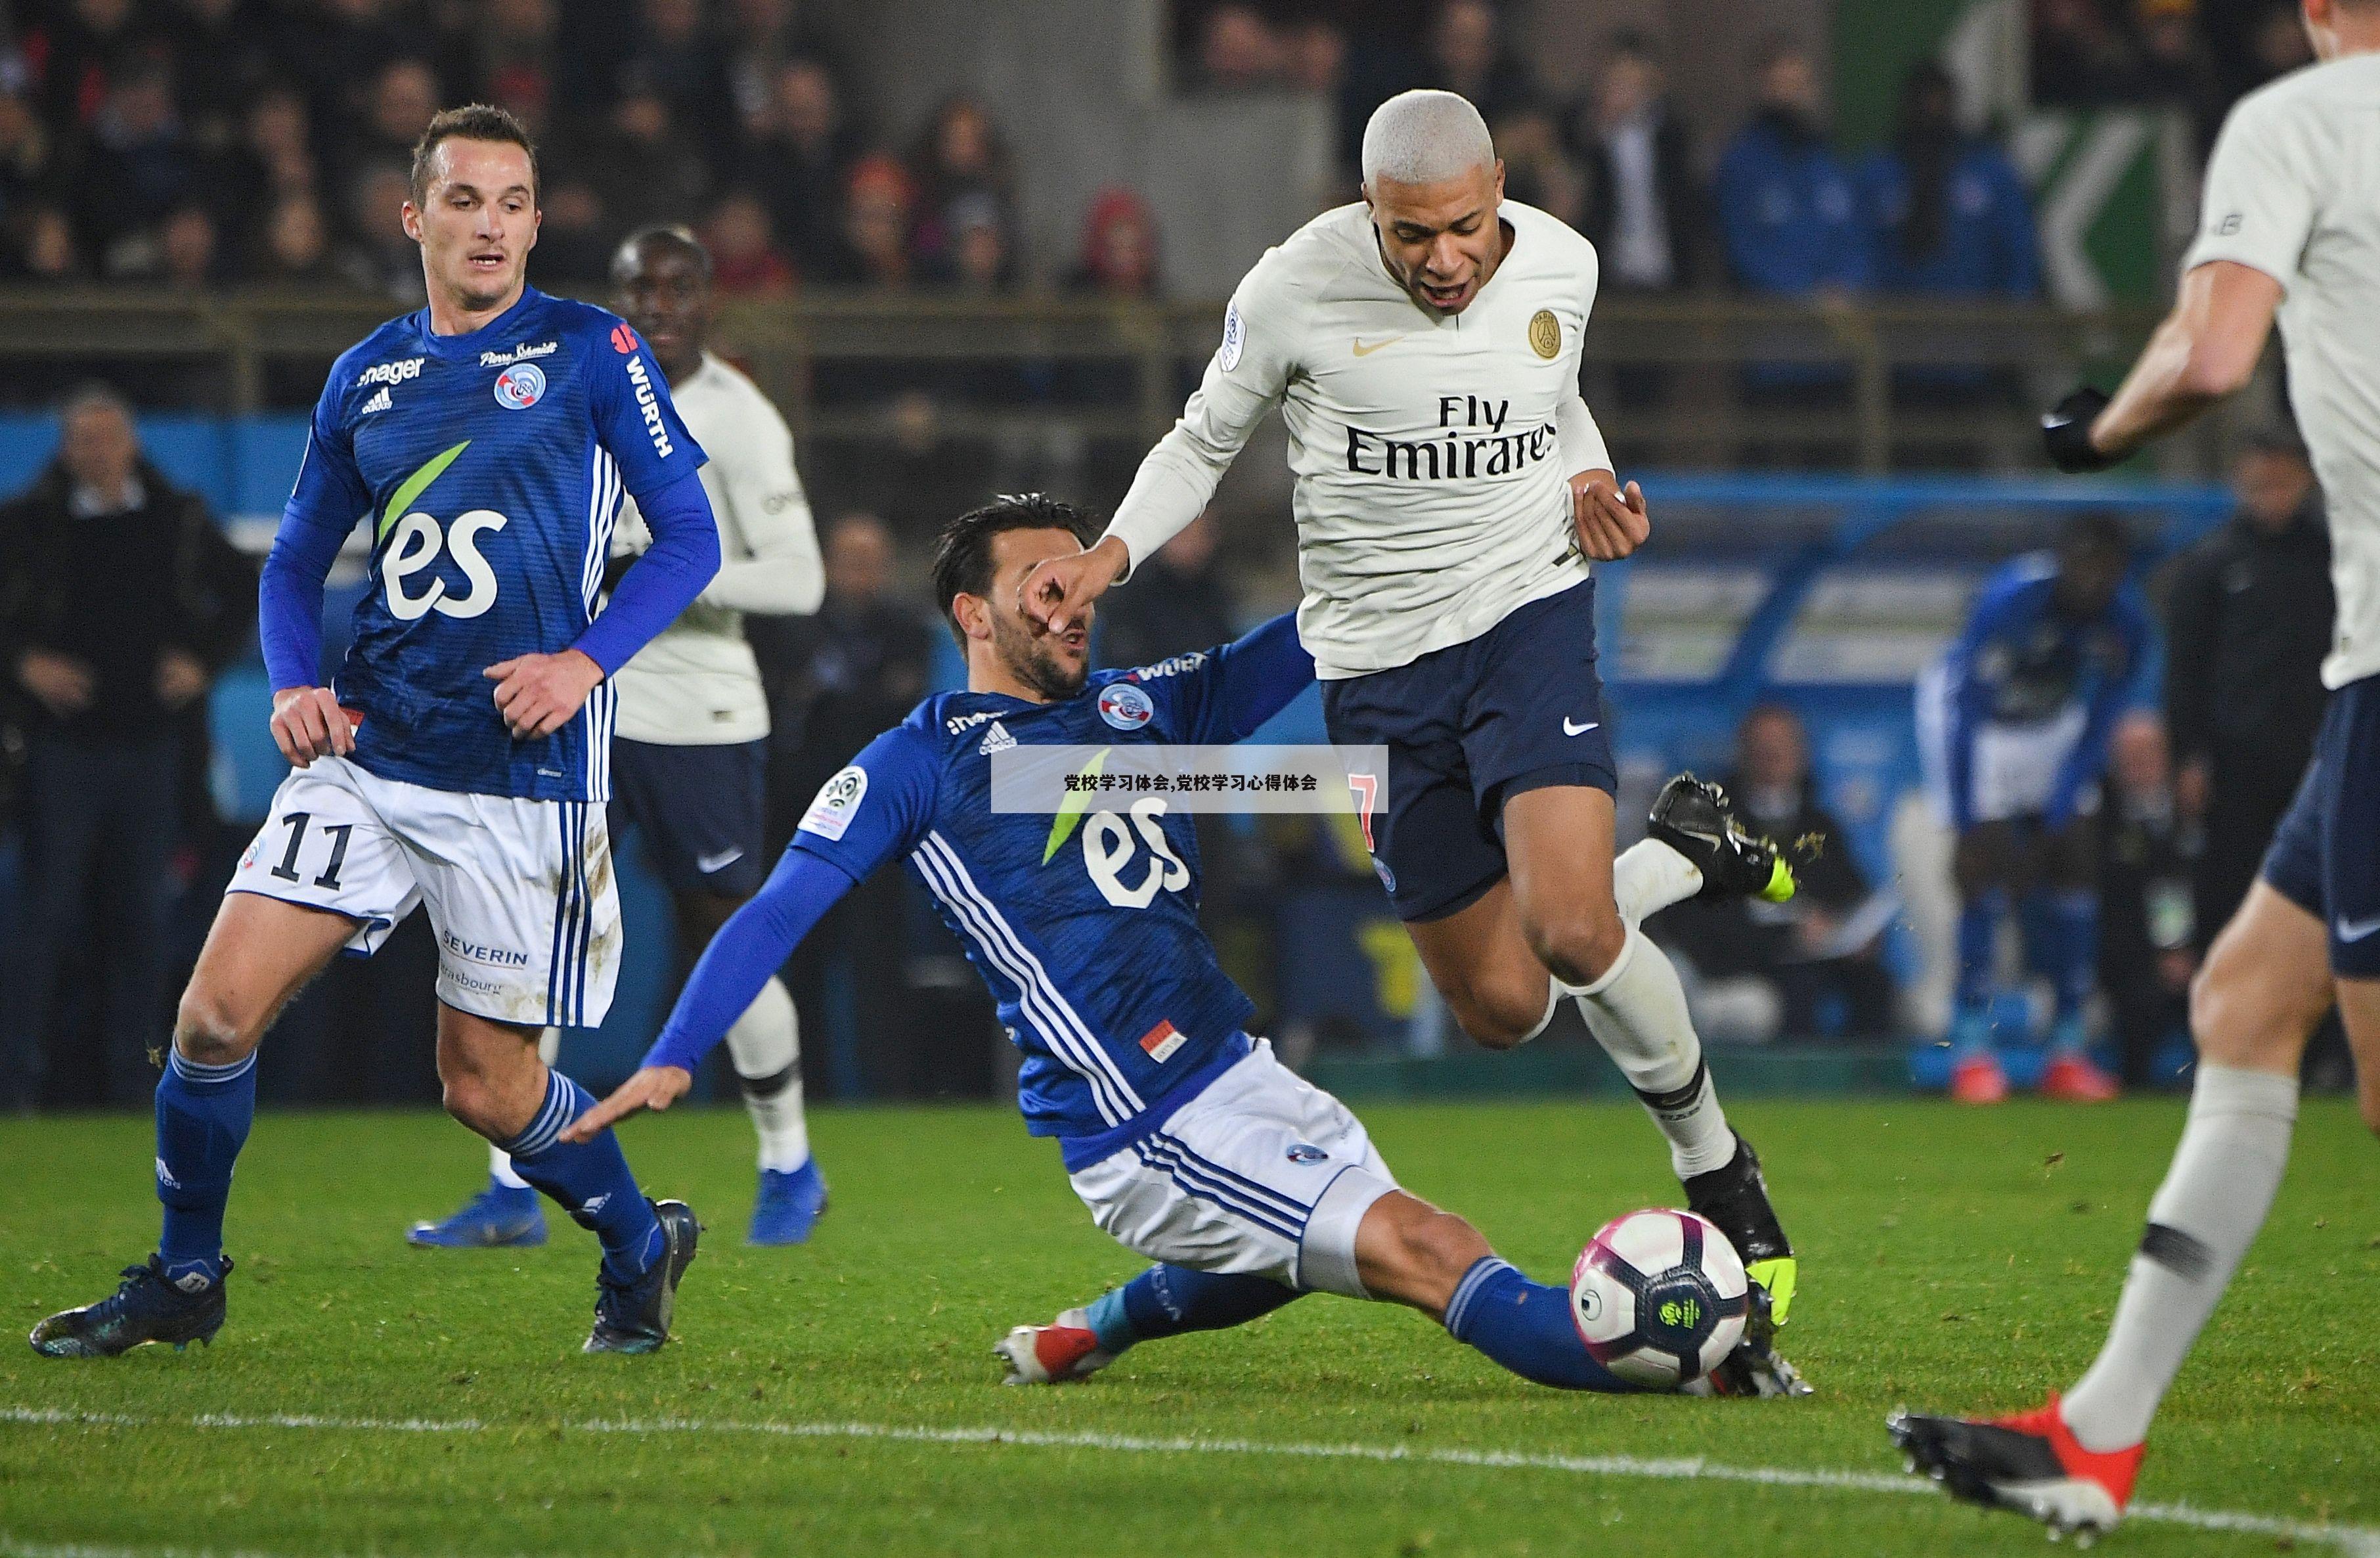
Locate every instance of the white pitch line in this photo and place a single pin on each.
(2357, 1542)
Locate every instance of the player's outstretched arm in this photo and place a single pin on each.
(750, 947)
(2202, 354)
(1058, 591)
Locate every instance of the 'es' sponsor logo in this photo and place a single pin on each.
(648, 404)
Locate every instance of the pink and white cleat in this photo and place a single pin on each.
(1065, 1349)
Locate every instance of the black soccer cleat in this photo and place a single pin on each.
(634, 1317)
(2029, 1462)
(146, 1307)
(1735, 1198)
(1694, 818)
(1754, 1367)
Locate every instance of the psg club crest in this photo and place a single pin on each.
(520, 386)
(1124, 706)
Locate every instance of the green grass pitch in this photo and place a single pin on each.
(371, 1398)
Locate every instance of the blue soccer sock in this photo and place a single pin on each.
(1979, 926)
(2073, 958)
(1171, 1300)
(203, 1113)
(589, 1180)
(1526, 1327)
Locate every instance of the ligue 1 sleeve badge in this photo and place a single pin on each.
(1124, 706)
(520, 386)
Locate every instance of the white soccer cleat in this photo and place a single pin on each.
(1065, 1349)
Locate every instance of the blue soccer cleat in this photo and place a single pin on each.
(634, 1317)
(788, 1205)
(502, 1216)
(147, 1306)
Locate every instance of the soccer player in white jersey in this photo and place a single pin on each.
(461, 761)
(2290, 229)
(1423, 346)
(689, 762)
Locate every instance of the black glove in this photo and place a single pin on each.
(2066, 432)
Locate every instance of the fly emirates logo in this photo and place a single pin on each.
(1474, 439)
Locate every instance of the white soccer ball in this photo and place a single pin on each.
(1659, 1298)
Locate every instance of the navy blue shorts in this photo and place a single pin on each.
(1518, 708)
(2326, 854)
(701, 809)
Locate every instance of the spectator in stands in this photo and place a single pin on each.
(2015, 723)
(78, 49)
(1314, 57)
(379, 257)
(1537, 169)
(47, 252)
(916, 474)
(222, 52)
(1467, 54)
(975, 255)
(1119, 253)
(1947, 214)
(574, 246)
(1817, 960)
(1238, 49)
(761, 38)
(29, 171)
(1180, 602)
(2148, 849)
(403, 98)
(647, 172)
(745, 258)
(1786, 206)
(877, 209)
(2176, 66)
(2083, 55)
(801, 161)
(678, 58)
(275, 157)
(140, 168)
(960, 157)
(514, 58)
(187, 259)
(2248, 621)
(119, 601)
(297, 250)
(1643, 204)
(337, 47)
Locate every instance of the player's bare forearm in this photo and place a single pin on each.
(1059, 590)
(307, 723)
(655, 1088)
(2203, 352)
(538, 694)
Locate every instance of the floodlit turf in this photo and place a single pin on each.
(1949, 1259)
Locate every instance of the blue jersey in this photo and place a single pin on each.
(2019, 661)
(490, 466)
(1084, 929)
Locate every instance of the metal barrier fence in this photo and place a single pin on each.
(1687, 382)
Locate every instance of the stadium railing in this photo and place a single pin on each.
(1689, 381)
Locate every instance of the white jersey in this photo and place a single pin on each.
(2294, 190)
(697, 684)
(1432, 453)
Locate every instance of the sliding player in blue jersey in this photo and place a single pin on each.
(462, 761)
(1187, 1140)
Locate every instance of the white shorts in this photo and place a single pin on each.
(2013, 767)
(1261, 1173)
(519, 891)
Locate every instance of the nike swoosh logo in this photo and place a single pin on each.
(2355, 930)
(1570, 729)
(1363, 351)
(709, 863)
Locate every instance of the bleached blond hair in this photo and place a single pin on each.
(1425, 137)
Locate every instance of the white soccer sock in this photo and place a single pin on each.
(500, 1163)
(765, 1044)
(2206, 1215)
(1648, 877)
(1637, 1012)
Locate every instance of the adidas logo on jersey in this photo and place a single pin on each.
(996, 740)
(380, 402)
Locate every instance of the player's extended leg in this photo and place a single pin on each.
(496, 1084)
(2265, 985)
(764, 1045)
(260, 953)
